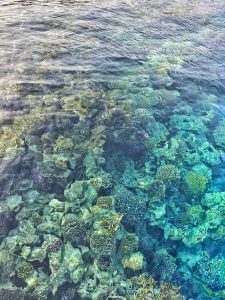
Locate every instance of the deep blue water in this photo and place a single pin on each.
(112, 150)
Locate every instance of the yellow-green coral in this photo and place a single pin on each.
(109, 222)
(63, 144)
(195, 184)
(10, 143)
(135, 262)
(4, 258)
(24, 271)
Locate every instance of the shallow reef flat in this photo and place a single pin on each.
(112, 150)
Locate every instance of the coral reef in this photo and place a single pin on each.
(112, 153)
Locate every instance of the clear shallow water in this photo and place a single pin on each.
(112, 149)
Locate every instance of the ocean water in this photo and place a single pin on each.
(112, 150)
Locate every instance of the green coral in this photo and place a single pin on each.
(109, 222)
(63, 144)
(10, 143)
(103, 262)
(213, 199)
(168, 173)
(195, 184)
(218, 134)
(4, 258)
(24, 271)
(12, 294)
(74, 229)
(102, 242)
(106, 202)
(212, 272)
(156, 191)
(189, 123)
(128, 245)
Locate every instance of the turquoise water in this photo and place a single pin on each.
(112, 150)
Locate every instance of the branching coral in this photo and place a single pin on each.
(145, 287)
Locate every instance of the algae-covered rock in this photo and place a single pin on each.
(215, 216)
(156, 191)
(209, 154)
(109, 221)
(37, 254)
(80, 191)
(25, 252)
(189, 123)
(5, 258)
(10, 143)
(14, 202)
(57, 205)
(63, 144)
(72, 259)
(195, 214)
(27, 233)
(195, 235)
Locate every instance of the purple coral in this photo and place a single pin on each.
(55, 246)
(6, 221)
(41, 181)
